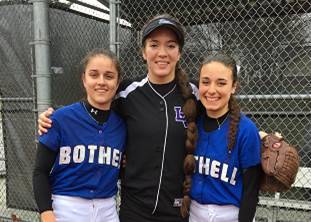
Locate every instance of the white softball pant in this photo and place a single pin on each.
(69, 209)
(213, 213)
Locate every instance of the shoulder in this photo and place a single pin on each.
(246, 122)
(249, 143)
(117, 124)
(127, 86)
(116, 118)
(66, 111)
(247, 127)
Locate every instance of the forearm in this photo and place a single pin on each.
(249, 200)
(45, 159)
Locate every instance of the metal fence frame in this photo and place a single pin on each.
(43, 76)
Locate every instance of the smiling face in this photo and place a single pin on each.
(100, 81)
(215, 88)
(161, 52)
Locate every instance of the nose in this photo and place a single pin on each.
(212, 88)
(162, 51)
(101, 80)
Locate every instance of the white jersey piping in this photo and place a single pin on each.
(164, 145)
(195, 90)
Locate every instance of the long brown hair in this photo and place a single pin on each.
(190, 112)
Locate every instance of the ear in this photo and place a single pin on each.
(179, 55)
(144, 54)
(234, 87)
(83, 79)
(118, 84)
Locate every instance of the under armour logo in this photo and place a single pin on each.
(94, 111)
(180, 116)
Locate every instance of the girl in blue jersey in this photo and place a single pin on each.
(78, 160)
(225, 184)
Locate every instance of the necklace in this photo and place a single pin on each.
(222, 122)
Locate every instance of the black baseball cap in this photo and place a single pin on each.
(164, 22)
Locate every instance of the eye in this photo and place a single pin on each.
(110, 76)
(93, 74)
(204, 82)
(172, 46)
(152, 44)
(221, 83)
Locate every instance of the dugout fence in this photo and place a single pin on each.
(271, 40)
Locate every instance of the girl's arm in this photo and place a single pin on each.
(249, 200)
(45, 159)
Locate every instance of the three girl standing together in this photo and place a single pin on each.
(155, 109)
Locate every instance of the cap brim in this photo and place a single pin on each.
(166, 24)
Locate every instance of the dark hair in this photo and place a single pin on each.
(234, 108)
(190, 111)
(164, 20)
(189, 106)
(100, 52)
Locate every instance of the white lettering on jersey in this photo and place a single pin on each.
(78, 154)
(224, 173)
(215, 169)
(232, 180)
(92, 149)
(64, 155)
(204, 165)
(116, 158)
(104, 155)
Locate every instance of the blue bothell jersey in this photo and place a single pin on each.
(89, 154)
(218, 176)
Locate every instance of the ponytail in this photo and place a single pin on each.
(234, 122)
(190, 111)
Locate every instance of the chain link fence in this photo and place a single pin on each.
(72, 34)
(271, 40)
(16, 102)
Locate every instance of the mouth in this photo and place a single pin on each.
(212, 99)
(162, 63)
(101, 90)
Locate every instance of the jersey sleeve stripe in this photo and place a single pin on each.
(195, 90)
(131, 88)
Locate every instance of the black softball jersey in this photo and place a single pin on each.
(153, 177)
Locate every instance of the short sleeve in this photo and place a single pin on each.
(51, 139)
(250, 146)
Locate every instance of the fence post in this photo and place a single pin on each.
(42, 54)
(113, 16)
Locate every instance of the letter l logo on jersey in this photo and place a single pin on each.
(180, 116)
